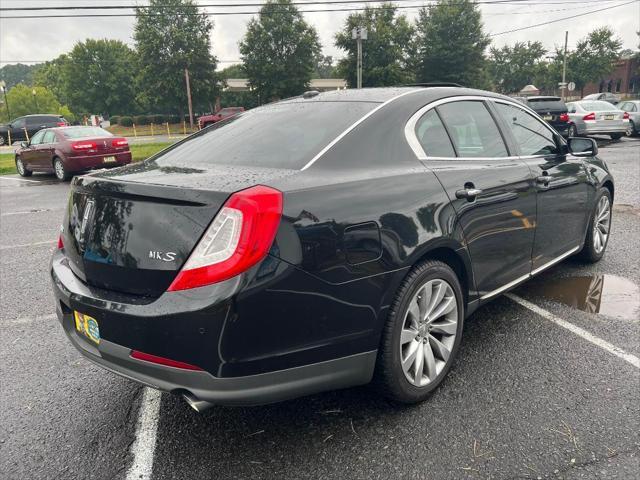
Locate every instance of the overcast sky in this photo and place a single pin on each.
(46, 38)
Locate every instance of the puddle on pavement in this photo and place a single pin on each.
(598, 293)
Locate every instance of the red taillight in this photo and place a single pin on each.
(147, 357)
(83, 146)
(239, 236)
(60, 243)
(564, 117)
(120, 142)
(61, 124)
(589, 116)
(625, 116)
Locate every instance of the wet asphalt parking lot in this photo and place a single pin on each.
(540, 389)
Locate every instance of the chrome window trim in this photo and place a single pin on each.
(355, 124)
(530, 275)
(414, 143)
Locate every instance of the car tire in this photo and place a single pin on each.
(22, 170)
(409, 368)
(631, 129)
(60, 171)
(616, 136)
(573, 130)
(2, 140)
(598, 231)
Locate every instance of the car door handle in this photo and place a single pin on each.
(468, 193)
(543, 179)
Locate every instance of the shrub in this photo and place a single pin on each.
(157, 119)
(114, 119)
(173, 119)
(125, 121)
(141, 120)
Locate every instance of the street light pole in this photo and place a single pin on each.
(186, 79)
(359, 34)
(564, 66)
(3, 87)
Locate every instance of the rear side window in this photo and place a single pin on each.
(552, 104)
(433, 137)
(42, 120)
(281, 135)
(472, 129)
(49, 137)
(531, 135)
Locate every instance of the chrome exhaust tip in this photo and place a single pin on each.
(198, 405)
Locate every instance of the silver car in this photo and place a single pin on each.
(604, 96)
(632, 107)
(596, 117)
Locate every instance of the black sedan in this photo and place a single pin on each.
(322, 242)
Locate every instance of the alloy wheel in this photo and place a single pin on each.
(2, 140)
(629, 131)
(428, 332)
(573, 131)
(20, 166)
(60, 173)
(601, 224)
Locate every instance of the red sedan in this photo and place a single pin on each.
(68, 150)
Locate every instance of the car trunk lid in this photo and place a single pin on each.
(131, 230)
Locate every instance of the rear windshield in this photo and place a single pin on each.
(85, 132)
(547, 104)
(598, 106)
(285, 135)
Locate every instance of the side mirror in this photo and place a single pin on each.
(582, 147)
(24, 144)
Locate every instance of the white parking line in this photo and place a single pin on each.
(597, 341)
(144, 446)
(22, 245)
(2, 177)
(27, 212)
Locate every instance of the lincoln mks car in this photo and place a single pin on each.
(320, 242)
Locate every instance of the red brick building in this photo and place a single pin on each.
(624, 80)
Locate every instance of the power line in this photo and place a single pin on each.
(275, 12)
(563, 18)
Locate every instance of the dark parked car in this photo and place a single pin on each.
(552, 110)
(68, 150)
(26, 127)
(345, 239)
(206, 120)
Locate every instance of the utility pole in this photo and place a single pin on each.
(359, 34)
(564, 66)
(186, 78)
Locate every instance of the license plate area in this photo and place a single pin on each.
(609, 117)
(87, 326)
(548, 117)
(109, 159)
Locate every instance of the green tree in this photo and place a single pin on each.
(14, 74)
(511, 68)
(279, 51)
(450, 44)
(594, 57)
(325, 67)
(385, 53)
(50, 75)
(171, 36)
(23, 102)
(98, 77)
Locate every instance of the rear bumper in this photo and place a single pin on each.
(606, 128)
(88, 162)
(185, 337)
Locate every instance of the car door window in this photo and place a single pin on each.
(37, 138)
(49, 137)
(19, 123)
(532, 136)
(472, 129)
(433, 137)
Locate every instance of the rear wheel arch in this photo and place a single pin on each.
(451, 257)
(608, 184)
